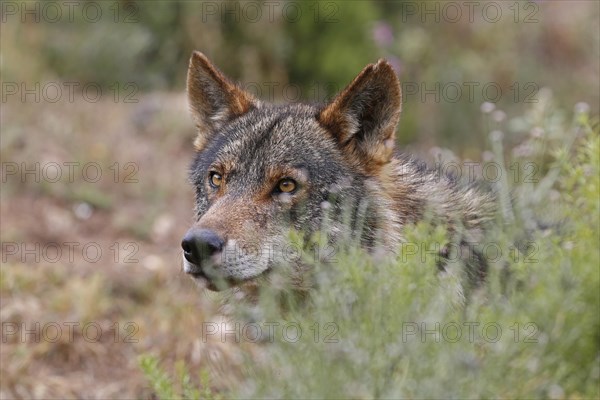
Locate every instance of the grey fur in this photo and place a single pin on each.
(340, 156)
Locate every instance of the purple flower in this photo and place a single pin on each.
(383, 34)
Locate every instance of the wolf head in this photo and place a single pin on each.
(262, 170)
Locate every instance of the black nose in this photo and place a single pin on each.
(199, 244)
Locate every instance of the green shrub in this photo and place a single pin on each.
(394, 327)
(182, 388)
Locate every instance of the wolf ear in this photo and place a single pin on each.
(212, 98)
(364, 116)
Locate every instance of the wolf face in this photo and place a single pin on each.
(261, 169)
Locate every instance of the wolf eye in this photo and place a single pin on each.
(215, 179)
(286, 185)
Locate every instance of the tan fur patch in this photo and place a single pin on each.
(376, 93)
(213, 98)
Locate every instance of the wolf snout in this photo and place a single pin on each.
(199, 245)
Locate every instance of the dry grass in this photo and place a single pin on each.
(149, 216)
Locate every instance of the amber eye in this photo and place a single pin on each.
(286, 185)
(215, 179)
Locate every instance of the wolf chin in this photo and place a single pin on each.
(262, 170)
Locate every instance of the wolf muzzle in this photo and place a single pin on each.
(199, 246)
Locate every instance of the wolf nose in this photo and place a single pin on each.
(199, 244)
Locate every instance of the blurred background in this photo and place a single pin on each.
(96, 141)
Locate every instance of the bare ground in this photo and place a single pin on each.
(75, 321)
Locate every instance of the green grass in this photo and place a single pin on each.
(166, 388)
(393, 327)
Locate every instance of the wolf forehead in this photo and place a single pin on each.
(270, 136)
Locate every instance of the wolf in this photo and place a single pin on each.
(261, 170)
